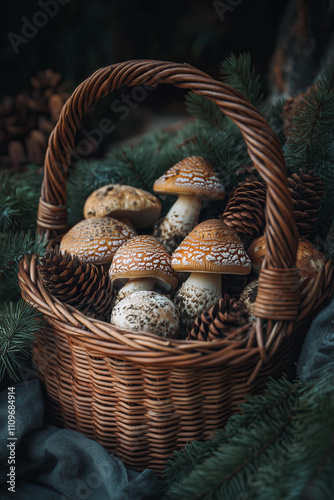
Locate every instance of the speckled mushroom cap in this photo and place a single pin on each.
(211, 247)
(248, 297)
(143, 257)
(192, 175)
(96, 240)
(115, 200)
(257, 252)
(147, 312)
(308, 259)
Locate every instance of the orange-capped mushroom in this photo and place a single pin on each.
(96, 240)
(308, 260)
(210, 250)
(191, 179)
(143, 263)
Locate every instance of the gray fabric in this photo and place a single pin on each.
(58, 464)
(318, 347)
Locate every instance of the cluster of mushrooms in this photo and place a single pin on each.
(180, 258)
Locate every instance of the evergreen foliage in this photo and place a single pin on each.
(280, 446)
(311, 142)
(19, 195)
(18, 201)
(18, 323)
(13, 246)
(238, 72)
(205, 110)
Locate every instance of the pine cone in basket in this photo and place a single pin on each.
(27, 120)
(245, 211)
(81, 285)
(306, 190)
(227, 317)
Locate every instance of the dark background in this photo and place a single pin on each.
(288, 40)
(86, 35)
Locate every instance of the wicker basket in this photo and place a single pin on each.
(137, 394)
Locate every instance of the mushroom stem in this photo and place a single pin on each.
(179, 221)
(197, 295)
(135, 285)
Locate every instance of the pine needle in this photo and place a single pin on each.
(13, 246)
(18, 324)
(205, 110)
(239, 73)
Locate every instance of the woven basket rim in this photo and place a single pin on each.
(104, 339)
(140, 340)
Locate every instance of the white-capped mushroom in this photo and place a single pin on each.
(133, 206)
(192, 179)
(210, 250)
(142, 263)
(147, 311)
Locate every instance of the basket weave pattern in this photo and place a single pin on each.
(139, 395)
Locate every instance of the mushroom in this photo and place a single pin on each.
(211, 249)
(248, 297)
(309, 260)
(133, 206)
(144, 263)
(147, 311)
(192, 179)
(96, 240)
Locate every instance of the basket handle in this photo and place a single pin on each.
(278, 296)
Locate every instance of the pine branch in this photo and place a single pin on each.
(18, 201)
(205, 110)
(13, 246)
(311, 138)
(281, 446)
(238, 72)
(225, 149)
(184, 461)
(18, 324)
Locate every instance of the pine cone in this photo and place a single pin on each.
(306, 190)
(27, 120)
(228, 317)
(81, 285)
(245, 211)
